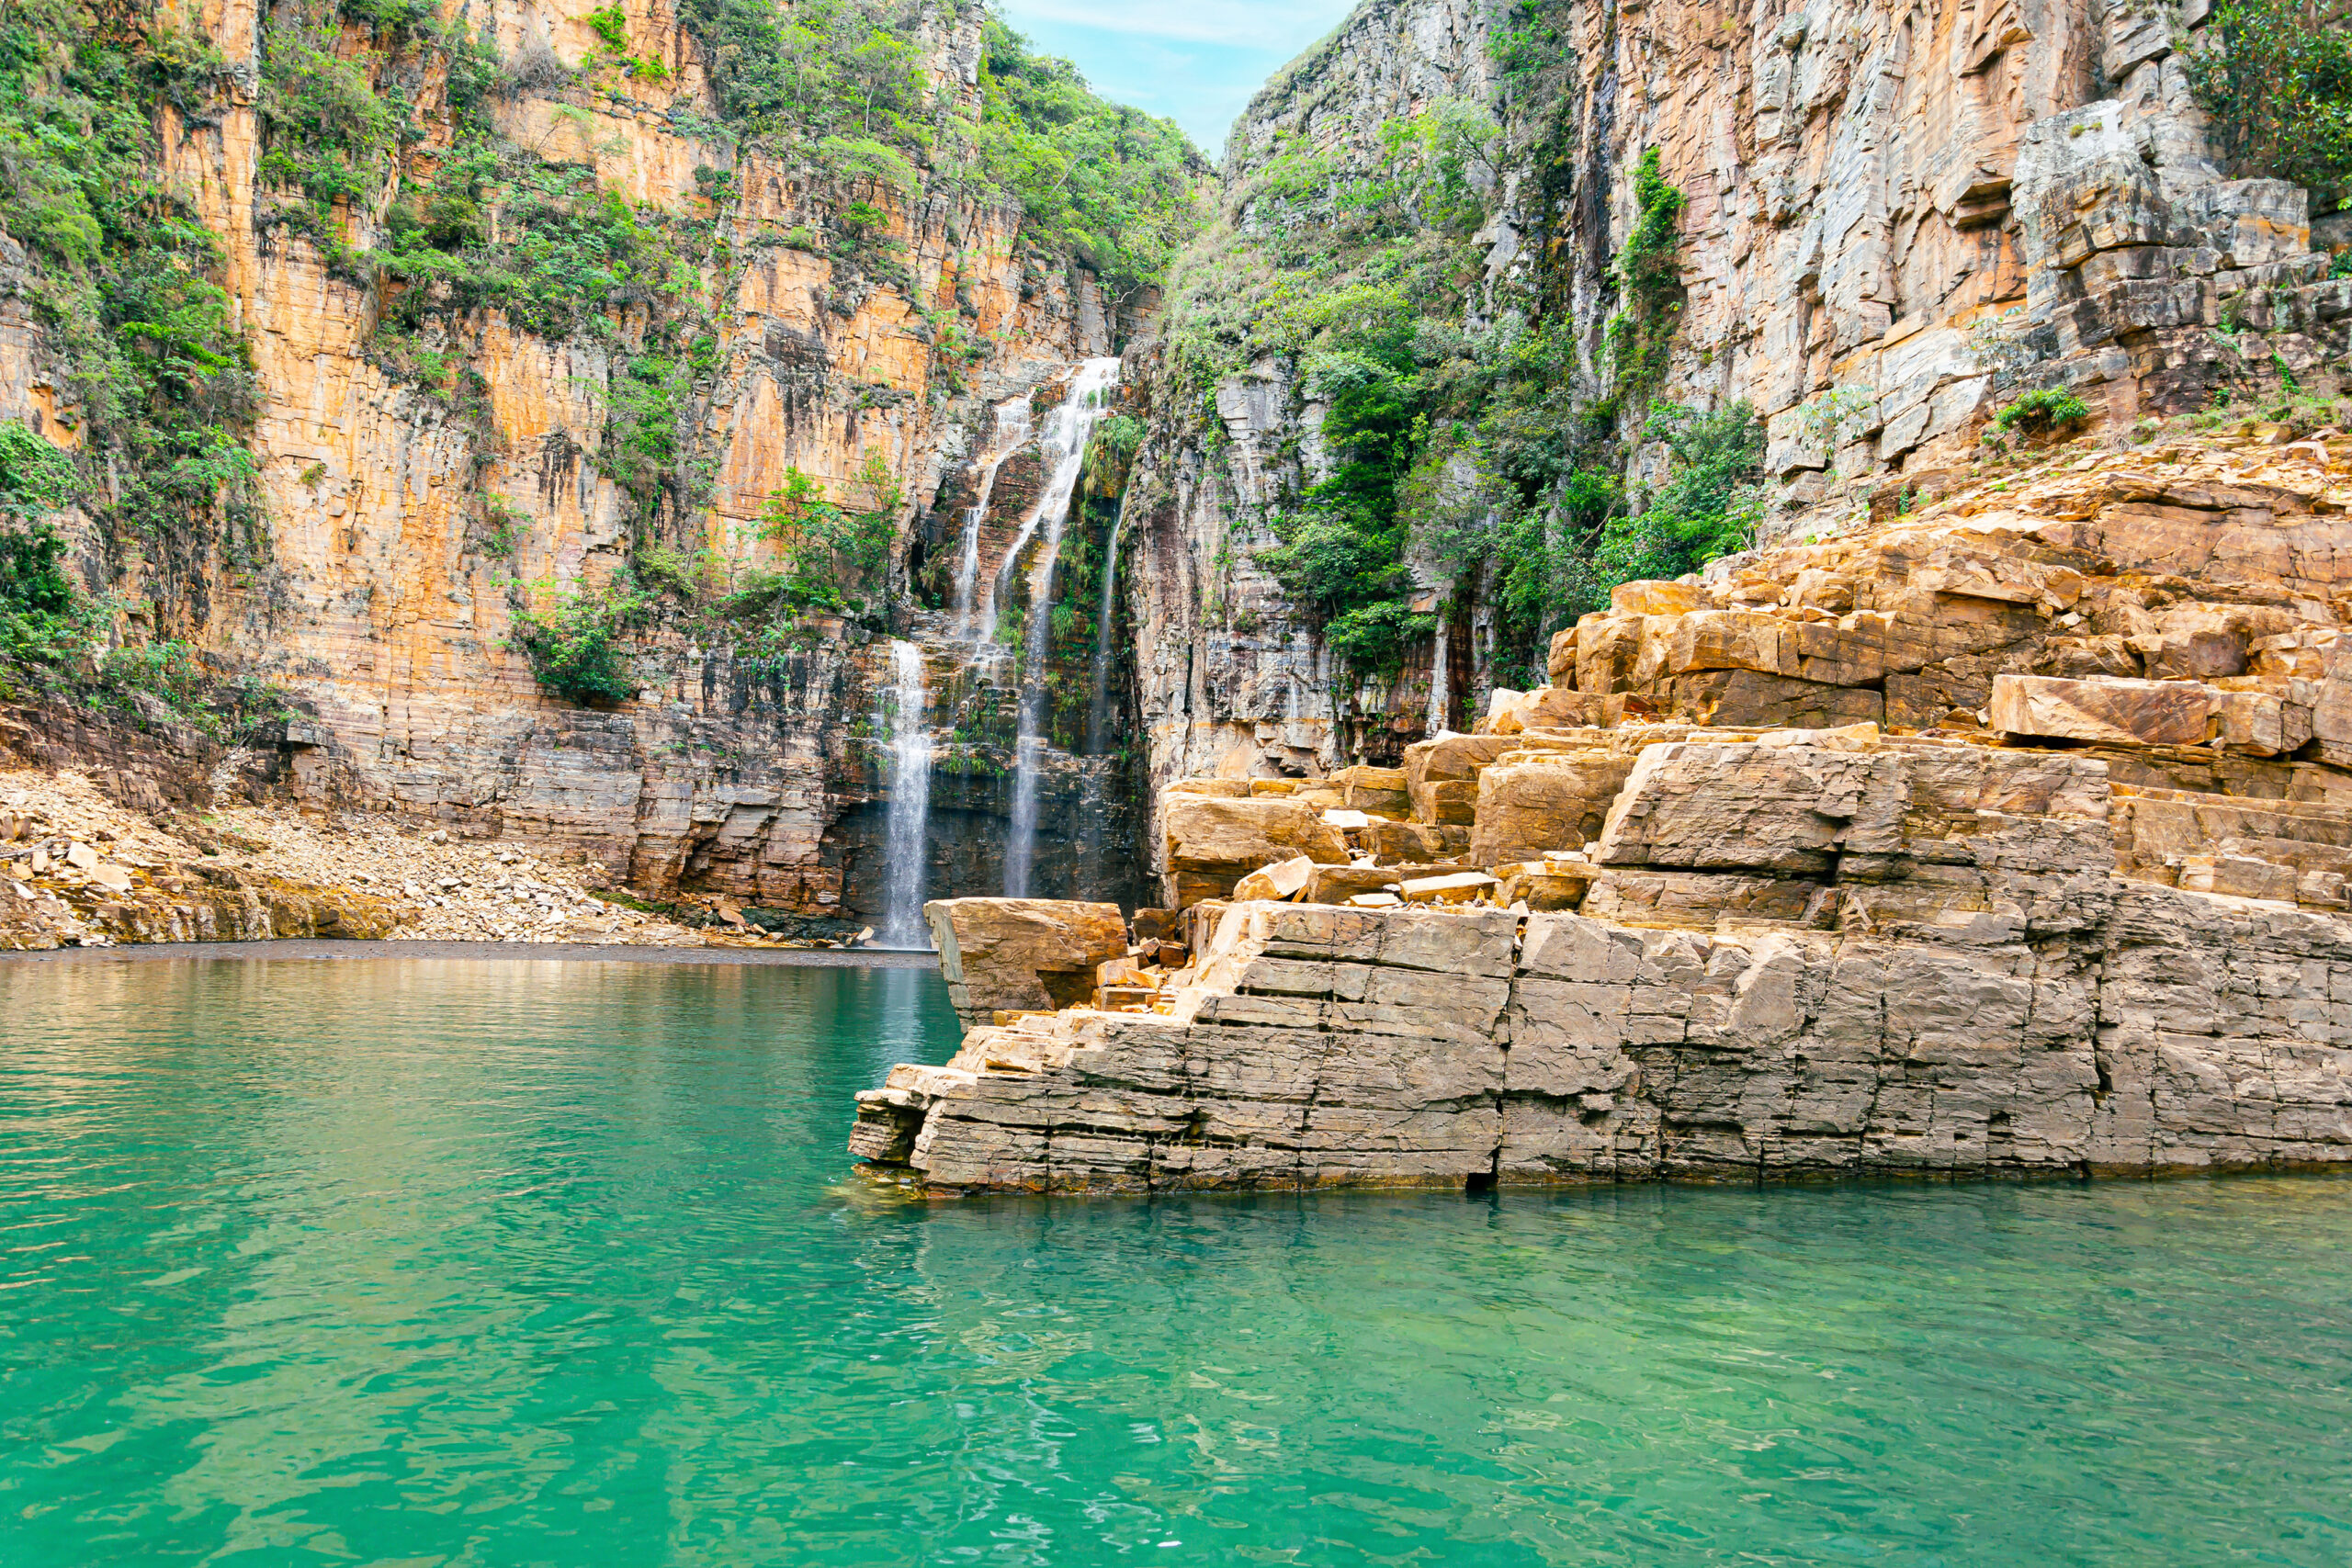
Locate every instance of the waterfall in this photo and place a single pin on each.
(906, 831)
(1011, 434)
(1440, 679)
(1066, 439)
(1098, 705)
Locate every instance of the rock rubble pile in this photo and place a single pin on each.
(78, 870)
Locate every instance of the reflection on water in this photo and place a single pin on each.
(497, 1262)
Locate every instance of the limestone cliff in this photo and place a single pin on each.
(438, 448)
(1683, 923)
(1877, 225)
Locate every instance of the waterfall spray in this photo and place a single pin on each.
(1011, 434)
(906, 830)
(1066, 437)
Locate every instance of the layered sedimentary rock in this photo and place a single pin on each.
(403, 524)
(1953, 981)
(1897, 219)
(1019, 954)
(2004, 921)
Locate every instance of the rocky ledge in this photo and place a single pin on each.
(2068, 897)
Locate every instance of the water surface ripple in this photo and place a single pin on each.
(511, 1263)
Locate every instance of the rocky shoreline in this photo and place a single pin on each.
(2067, 894)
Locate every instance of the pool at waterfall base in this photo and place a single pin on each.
(506, 1261)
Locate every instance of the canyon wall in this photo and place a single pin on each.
(1696, 914)
(407, 514)
(1894, 220)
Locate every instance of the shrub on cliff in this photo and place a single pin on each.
(2040, 412)
(834, 552)
(1111, 184)
(142, 342)
(1709, 506)
(2275, 79)
(574, 645)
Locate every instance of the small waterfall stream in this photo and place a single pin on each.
(1098, 708)
(1441, 679)
(1012, 433)
(1066, 436)
(906, 830)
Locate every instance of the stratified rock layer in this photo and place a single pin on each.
(2080, 907)
(1962, 990)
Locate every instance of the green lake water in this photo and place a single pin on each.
(509, 1263)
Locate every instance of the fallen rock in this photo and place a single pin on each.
(1559, 802)
(1283, 879)
(1460, 888)
(1212, 843)
(2126, 713)
(1017, 954)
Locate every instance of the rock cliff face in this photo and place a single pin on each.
(407, 513)
(1894, 221)
(1705, 930)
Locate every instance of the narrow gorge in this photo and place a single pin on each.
(786, 465)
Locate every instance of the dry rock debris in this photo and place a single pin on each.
(78, 870)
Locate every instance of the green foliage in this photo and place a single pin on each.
(173, 671)
(835, 554)
(1340, 554)
(1709, 506)
(2341, 266)
(327, 131)
(41, 612)
(574, 646)
(1442, 164)
(2275, 79)
(611, 24)
(1649, 283)
(35, 477)
(817, 69)
(565, 246)
(154, 375)
(1109, 184)
(2042, 411)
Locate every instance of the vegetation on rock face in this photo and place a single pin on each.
(2044, 410)
(834, 555)
(155, 376)
(575, 643)
(2275, 79)
(1469, 424)
(381, 148)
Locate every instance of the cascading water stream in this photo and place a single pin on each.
(1012, 433)
(1099, 705)
(906, 830)
(1440, 684)
(1066, 437)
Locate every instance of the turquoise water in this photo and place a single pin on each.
(508, 1263)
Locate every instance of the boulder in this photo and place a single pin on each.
(1223, 789)
(1378, 791)
(1282, 879)
(1407, 843)
(1212, 844)
(1021, 954)
(1457, 887)
(1442, 774)
(1556, 803)
(1653, 598)
(2117, 713)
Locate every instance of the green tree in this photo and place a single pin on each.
(2274, 78)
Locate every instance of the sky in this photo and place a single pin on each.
(1196, 61)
